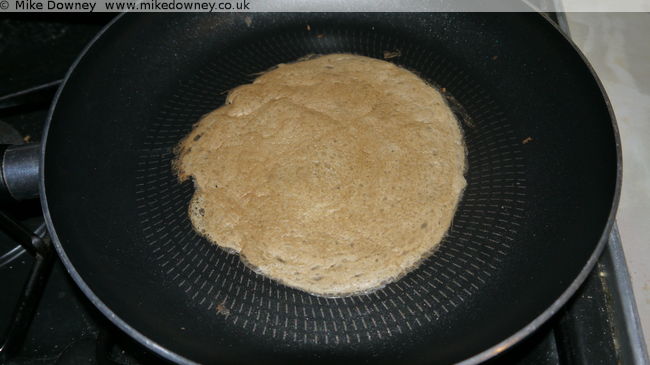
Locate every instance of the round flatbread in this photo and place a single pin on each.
(334, 175)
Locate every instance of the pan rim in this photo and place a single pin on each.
(486, 354)
(604, 238)
(72, 271)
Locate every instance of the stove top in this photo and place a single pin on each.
(44, 317)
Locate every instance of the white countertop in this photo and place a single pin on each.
(616, 45)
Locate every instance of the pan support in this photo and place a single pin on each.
(38, 246)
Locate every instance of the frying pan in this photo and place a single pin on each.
(543, 184)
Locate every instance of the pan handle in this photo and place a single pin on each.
(19, 171)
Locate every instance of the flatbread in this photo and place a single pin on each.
(334, 175)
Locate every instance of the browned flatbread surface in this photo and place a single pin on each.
(333, 175)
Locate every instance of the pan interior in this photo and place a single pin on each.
(541, 165)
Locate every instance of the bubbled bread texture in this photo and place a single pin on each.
(334, 175)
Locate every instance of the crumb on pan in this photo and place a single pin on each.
(221, 309)
(392, 54)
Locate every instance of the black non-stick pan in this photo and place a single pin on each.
(543, 182)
